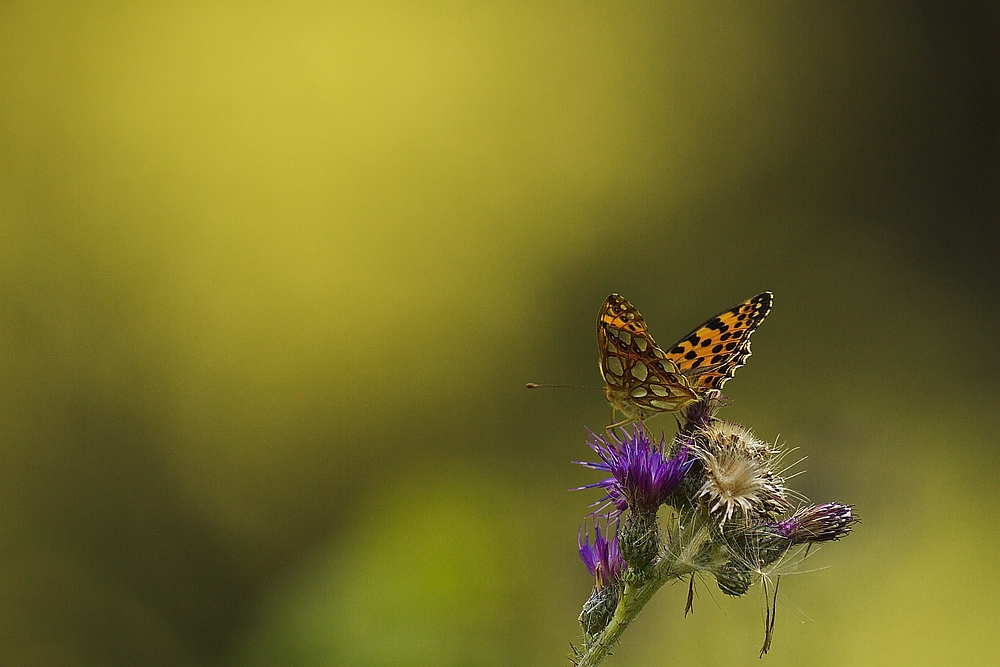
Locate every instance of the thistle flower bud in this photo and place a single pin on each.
(640, 541)
(733, 579)
(702, 412)
(604, 562)
(599, 609)
(817, 523)
(602, 558)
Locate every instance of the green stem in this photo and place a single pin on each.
(631, 603)
(672, 565)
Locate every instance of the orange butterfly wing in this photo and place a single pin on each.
(710, 355)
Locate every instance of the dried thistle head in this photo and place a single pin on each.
(739, 475)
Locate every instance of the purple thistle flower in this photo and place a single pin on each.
(702, 412)
(602, 558)
(642, 477)
(817, 523)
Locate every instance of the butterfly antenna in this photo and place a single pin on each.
(532, 385)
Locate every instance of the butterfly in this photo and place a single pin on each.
(641, 380)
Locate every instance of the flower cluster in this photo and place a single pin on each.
(731, 515)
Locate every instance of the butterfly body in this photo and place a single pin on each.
(641, 379)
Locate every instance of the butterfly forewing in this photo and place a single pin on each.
(710, 355)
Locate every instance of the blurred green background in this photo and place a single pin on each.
(274, 276)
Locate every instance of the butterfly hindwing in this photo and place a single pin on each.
(639, 378)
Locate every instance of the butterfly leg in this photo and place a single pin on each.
(624, 422)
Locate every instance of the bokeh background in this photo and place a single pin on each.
(273, 276)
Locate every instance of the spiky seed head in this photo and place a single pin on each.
(738, 476)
